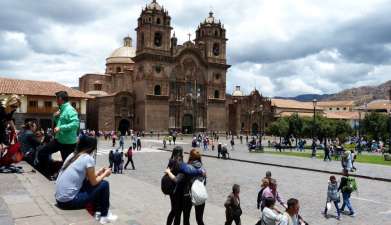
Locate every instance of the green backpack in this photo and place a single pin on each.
(350, 186)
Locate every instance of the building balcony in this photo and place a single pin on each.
(45, 110)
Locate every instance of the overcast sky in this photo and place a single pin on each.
(283, 48)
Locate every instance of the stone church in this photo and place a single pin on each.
(160, 85)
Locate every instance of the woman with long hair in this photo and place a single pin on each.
(194, 161)
(179, 171)
(78, 184)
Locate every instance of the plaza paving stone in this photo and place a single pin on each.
(140, 193)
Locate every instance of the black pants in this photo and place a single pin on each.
(44, 155)
(327, 156)
(230, 219)
(176, 209)
(130, 159)
(199, 212)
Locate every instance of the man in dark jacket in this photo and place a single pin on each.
(232, 206)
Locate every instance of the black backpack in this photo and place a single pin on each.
(167, 185)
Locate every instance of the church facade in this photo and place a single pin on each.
(160, 85)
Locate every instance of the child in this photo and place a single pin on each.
(332, 196)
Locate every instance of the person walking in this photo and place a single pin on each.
(270, 215)
(138, 144)
(78, 184)
(232, 206)
(347, 186)
(219, 150)
(264, 185)
(66, 128)
(113, 138)
(291, 215)
(332, 196)
(195, 161)
(130, 158)
(111, 159)
(121, 142)
(271, 192)
(232, 144)
(327, 153)
(117, 160)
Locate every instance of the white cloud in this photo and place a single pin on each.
(280, 47)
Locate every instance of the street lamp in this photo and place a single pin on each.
(314, 102)
(261, 125)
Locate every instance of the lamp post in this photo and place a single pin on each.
(260, 125)
(313, 130)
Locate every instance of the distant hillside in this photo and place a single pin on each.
(359, 95)
(363, 94)
(308, 97)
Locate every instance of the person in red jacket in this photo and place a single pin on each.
(130, 158)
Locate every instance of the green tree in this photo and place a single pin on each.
(279, 128)
(375, 126)
(295, 126)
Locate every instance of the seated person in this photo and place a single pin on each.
(29, 140)
(78, 184)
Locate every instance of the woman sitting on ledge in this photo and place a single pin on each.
(78, 185)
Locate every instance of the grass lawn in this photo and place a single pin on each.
(363, 158)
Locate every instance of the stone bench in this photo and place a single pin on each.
(29, 198)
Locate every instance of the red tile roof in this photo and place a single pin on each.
(34, 87)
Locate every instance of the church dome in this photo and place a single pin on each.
(237, 91)
(123, 54)
(154, 5)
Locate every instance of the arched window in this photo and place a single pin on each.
(97, 87)
(124, 101)
(216, 33)
(157, 90)
(158, 20)
(216, 49)
(158, 39)
(217, 94)
(118, 69)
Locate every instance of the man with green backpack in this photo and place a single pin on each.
(347, 186)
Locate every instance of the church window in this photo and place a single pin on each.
(97, 87)
(124, 101)
(216, 49)
(118, 69)
(149, 19)
(158, 68)
(217, 94)
(157, 90)
(158, 39)
(217, 76)
(216, 33)
(337, 108)
(142, 40)
(158, 20)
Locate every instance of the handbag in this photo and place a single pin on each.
(12, 153)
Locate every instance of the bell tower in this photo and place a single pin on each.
(211, 35)
(154, 30)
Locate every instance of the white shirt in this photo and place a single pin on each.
(288, 220)
(270, 217)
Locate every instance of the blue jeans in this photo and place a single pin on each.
(97, 195)
(336, 206)
(346, 202)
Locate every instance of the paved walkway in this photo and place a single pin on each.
(241, 152)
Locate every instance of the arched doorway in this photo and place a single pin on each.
(124, 126)
(187, 124)
(254, 129)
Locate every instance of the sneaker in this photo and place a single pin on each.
(108, 219)
(338, 217)
(97, 216)
(352, 214)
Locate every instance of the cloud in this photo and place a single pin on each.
(280, 47)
